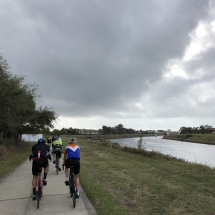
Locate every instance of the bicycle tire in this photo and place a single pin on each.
(70, 185)
(38, 195)
(73, 191)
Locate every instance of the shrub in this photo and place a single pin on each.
(141, 144)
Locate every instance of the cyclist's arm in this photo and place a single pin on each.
(30, 156)
(65, 155)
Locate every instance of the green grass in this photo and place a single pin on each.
(202, 138)
(124, 182)
(13, 159)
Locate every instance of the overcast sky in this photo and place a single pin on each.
(147, 64)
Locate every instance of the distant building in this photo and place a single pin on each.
(172, 132)
(211, 130)
(88, 131)
(31, 137)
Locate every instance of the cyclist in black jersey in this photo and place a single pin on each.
(40, 155)
(49, 141)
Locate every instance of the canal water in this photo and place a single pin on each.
(191, 152)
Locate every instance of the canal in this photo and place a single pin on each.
(191, 152)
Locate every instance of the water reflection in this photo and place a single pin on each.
(191, 152)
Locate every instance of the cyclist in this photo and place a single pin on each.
(53, 138)
(72, 157)
(49, 140)
(40, 155)
(57, 146)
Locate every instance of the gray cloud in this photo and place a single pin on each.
(100, 59)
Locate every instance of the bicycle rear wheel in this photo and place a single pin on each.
(57, 164)
(73, 191)
(38, 195)
(70, 185)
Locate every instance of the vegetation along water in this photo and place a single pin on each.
(122, 180)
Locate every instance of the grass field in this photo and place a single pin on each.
(126, 181)
(120, 182)
(12, 156)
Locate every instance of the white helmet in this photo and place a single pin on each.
(72, 139)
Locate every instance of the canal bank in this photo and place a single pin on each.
(189, 151)
(121, 182)
(194, 138)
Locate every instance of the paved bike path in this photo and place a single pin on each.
(16, 193)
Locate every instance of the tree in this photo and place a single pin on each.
(204, 128)
(120, 129)
(18, 113)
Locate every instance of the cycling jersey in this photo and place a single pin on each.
(40, 150)
(72, 151)
(57, 142)
(49, 140)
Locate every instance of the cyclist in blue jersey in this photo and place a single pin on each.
(72, 157)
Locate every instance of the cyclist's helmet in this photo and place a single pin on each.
(56, 138)
(72, 139)
(41, 140)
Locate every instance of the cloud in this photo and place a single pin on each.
(103, 60)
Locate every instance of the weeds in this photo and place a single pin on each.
(8, 147)
(141, 143)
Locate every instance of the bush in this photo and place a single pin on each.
(141, 144)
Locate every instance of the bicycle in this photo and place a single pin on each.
(72, 186)
(39, 187)
(57, 152)
(57, 163)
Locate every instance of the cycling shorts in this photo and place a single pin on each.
(57, 151)
(37, 164)
(73, 162)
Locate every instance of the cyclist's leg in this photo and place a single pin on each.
(59, 161)
(54, 156)
(76, 175)
(77, 181)
(34, 180)
(46, 170)
(67, 172)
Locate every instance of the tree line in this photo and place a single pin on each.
(203, 129)
(67, 131)
(18, 111)
(120, 129)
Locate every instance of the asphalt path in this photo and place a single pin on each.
(16, 193)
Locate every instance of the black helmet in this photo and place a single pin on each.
(41, 140)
